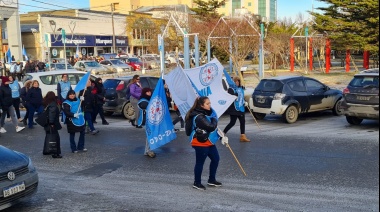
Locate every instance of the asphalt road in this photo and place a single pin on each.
(320, 163)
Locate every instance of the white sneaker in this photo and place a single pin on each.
(18, 129)
(2, 130)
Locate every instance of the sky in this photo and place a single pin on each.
(286, 8)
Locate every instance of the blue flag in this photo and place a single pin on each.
(9, 56)
(229, 80)
(77, 52)
(82, 82)
(159, 125)
(24, 53)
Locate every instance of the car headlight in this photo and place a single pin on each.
(31, 166)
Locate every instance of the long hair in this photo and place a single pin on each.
(28, 84)
(197, 104)
(133, 80)
(49, 98)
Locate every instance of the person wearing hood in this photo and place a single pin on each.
(143, 103)
(15, 87)
(34, 102)
(203, 137)
(23, 92)
(100, 99)
(75, 121)
(6, 106)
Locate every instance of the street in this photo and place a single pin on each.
(320, 163)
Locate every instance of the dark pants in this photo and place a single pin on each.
(178, 119)
(73, 145)
(32, 109)
(201, 154)
(98, 110)
(27, 112)
(16, 105)
(55, 132)
(233, 119)
(88, 118)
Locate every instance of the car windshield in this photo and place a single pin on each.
(368, 81)
(61, 66)
(92, 64)
(117, 62)
(270, 86)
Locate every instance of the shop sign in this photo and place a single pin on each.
(89, 40)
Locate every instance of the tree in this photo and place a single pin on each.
(350, 24)
(208, 9)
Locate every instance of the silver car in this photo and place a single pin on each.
(118, 65)
(61, 67)
(94, 67)
(18, 177)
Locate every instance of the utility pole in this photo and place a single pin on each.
(113, 29)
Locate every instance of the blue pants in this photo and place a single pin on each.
(32, 109)
(201, 154)
(73, 145)
(88, 118)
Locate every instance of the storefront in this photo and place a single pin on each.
(87, 45)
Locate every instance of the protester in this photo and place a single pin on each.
(75, 121)
(15, 87)
(23, 92)
(63, 87)
(88, 107)
(100, 99)
(135, 90)
(143, 103)
(34, 102)
(51, 106)
(237, 110)
(203, 138)
(6, 106)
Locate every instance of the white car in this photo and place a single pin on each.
(48, 80)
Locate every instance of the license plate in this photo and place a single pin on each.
(260, 100)
(363, 98)
(13, 189)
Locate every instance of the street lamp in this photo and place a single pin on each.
(261, 50)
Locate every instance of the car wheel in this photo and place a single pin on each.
(291, 114)
(353, 120)
(337, 110)
(128, 111)
(259, 116)
(108, 113)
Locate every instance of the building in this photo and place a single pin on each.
(10, 33)
(264, 8)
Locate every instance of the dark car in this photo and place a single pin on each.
(290, 96)
(18, 177)
(116, 88)
(361, 97)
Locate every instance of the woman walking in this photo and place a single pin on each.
(100, 97)
(143, 103)
(34, 102)
(23, 92)
(75, 121)
(135, 90)
(15, 87)
(237, 110)
(50, 103)
(203, 138)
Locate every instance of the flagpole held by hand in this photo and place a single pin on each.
(253, 117)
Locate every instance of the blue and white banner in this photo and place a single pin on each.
(24, 53)
(82, 82)
(159, 125)
(77, 52)
(208, 81)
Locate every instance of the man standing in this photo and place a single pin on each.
(63, 87)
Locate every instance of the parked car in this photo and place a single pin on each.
(93, 66)
(116, 88)
(61, 66)
(361, 97)
(48, 80)
(18, 177)
(134, 62)
(117, 64)
(290, 96)
(150, 62)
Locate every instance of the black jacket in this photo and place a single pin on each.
(23, 93)
(202, 122)
(53, 111)
(34, 97)
(5, 97)
(89, 100)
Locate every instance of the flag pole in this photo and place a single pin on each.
(253, 117)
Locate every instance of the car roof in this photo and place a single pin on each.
(56, 72)
(129, 77)
(285, 78)
(369, 72)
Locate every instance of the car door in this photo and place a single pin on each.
(298, 89)
(316, 92)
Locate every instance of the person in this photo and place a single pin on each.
(63, 87)
(143, 103)
(100, 99)
(15, 87)
(178, 119)
(237, 110)
(6, 105)
(203, 137)
(23, 92)
(88, 107)
(75, 121)
(51, 106)
(135, 90)
(34, 102)
(18, 70)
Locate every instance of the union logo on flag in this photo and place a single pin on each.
(156, 112)
(208, 73)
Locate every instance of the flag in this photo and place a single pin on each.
(82, 82)
(208, 81)
(24, 53)
(9, 56)
(181, 89)
(229, 80)
(77, 52)
(159, 125)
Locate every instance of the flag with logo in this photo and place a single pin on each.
(77, 52)
(24, 53)
(159, 125)
(9, 56)
(82, 82)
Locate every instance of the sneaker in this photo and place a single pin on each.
(74, 152)
(105, 123)
(214, 183)
(182, 129)
(199, 186)
(84, 150)
(18, 129)
(94, 132)
(2, 130)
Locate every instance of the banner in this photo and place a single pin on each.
(24, 53)
(159, 125)
(82, 82)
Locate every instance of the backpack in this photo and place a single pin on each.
(128, 92)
